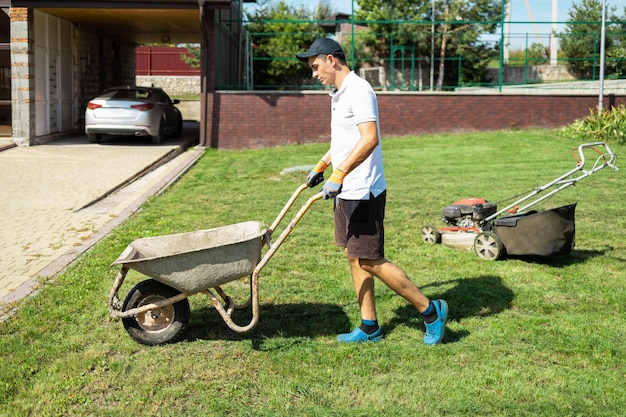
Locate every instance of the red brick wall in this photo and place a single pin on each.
(250, 120)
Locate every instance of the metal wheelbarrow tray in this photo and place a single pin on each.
(194, 261)
(156, 311)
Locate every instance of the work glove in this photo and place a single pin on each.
(333, 186)
(316, 176)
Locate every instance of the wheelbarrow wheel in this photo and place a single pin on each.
(431, 235)
(488, 245)
(158, 326)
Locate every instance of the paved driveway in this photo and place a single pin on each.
(48, 191)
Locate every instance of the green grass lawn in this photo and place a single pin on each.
(525, 337)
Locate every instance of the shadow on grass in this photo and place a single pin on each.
(573, 258)
(469, 297)
(306, 320)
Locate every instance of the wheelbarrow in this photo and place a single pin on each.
(475, 224)
(156, 311)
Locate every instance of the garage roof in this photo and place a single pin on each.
(138, 21)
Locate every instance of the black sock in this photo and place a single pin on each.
(430, 315)
(369, 326)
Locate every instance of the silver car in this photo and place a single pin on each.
(132, 110)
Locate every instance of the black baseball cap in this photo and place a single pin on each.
(322, 46)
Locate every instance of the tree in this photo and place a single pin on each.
(580, 40)
(277, 33)
(616, 56)
(192, 56)
(398, 31)
(538, 54)
(458, 27)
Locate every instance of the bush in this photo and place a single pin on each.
(605, 126)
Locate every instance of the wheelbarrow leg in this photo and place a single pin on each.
(230, 304)
(226, 313)
(254, 279)
(115, 304)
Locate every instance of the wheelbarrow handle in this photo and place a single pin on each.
(272, 248)
(286, 208)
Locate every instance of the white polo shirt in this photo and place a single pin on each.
(355, 103)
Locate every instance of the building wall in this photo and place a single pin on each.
(5, 75)
(53, 61)
(22, 76)
(86, 75)
(252, 120)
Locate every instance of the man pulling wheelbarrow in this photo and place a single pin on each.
(358, 188)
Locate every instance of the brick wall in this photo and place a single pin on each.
(22, 75)
(251, 120)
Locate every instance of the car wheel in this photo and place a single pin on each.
(160, 138)
(179, 128)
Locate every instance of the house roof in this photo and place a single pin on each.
(138, 21)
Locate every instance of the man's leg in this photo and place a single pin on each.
(396, 279)
(364, 287)
(368, 331)
(435, 313)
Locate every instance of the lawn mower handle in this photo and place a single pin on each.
(572, 177)
(603, 156)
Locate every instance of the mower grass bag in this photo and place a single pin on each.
(550, 232)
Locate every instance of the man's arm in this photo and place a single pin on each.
(363, 148)
(316, 175)
(361, 151)
(326, 158)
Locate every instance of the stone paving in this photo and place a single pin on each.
(59, 199)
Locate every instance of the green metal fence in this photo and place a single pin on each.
(528, 58)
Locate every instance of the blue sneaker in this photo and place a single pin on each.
(435, 330)
(357, 335)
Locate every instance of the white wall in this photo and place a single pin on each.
(53, 74)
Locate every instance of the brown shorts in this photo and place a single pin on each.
(359, 226)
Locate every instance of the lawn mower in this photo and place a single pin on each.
(476, 224)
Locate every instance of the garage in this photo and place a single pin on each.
(56, 55)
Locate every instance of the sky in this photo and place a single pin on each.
(520, 34)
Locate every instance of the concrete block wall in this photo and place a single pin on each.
(86, 81)
(92, 53)
(125, 63)
(531, 73)
(190, 110)
(175, 86)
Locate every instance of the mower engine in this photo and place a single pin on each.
(469, 212)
